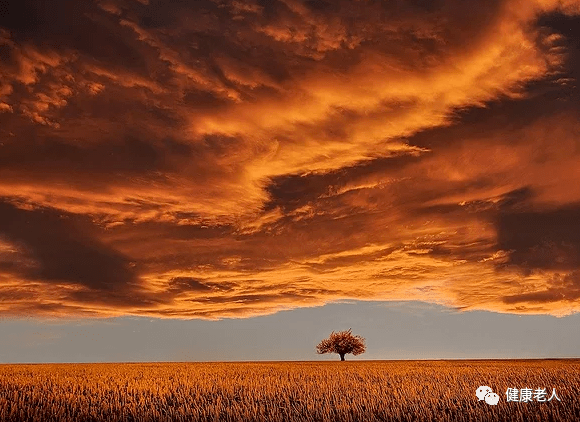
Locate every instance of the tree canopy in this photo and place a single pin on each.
(342, 342)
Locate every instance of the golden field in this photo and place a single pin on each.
(287, 391)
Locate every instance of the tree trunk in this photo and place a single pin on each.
(341, 356)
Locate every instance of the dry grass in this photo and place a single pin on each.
(286, 391)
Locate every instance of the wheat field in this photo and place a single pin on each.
(286, 391)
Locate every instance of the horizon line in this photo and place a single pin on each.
(292, 361)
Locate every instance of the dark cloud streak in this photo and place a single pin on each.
(65, 253)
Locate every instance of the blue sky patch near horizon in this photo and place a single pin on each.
(393, 330)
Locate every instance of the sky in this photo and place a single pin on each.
(392, 330)
(212, 165)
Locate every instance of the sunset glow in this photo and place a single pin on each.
(222, 158)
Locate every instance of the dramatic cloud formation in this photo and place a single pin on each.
(232, 158)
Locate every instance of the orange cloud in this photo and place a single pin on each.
(233, 159)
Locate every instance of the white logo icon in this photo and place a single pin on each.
(485, 393)
(491, 398)
(482, 391)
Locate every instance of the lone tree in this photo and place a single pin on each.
(342, 343)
